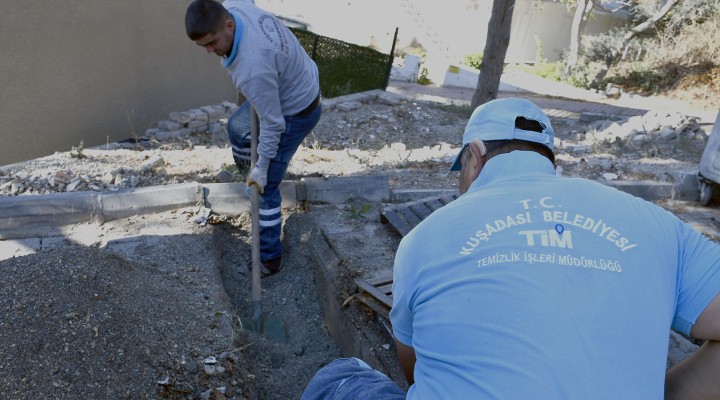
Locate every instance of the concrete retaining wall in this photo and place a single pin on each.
(97, 72)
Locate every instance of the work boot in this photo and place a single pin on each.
(271, 266)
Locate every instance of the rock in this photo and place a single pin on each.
(602, 163)
(73, 185)
(181, 117)
(153, 162)
(642, 138)
(579, 149)
(190, 365)
(134, 181)
(668, 133)
(225, 176)
(349, 106)
(212, 369)
(168, 125)
(389, 98)
(612, 91)
(108, 179)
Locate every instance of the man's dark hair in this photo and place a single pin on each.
(204, 17)
(495, 147)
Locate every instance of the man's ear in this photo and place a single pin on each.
(478, 149)
(481, 146)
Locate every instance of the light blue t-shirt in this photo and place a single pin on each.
(535, 286)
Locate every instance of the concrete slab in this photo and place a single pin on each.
(231, 198)
(145, 200)
(50, 209)
(648, 190)
(43, 215)
(407, 195)
(337, 190)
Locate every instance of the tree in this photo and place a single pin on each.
(613, 57)
(651, 22)
(498, 39)
(581, 9)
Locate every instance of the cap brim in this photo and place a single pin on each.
(456, 165)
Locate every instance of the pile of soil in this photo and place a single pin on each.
(157, 307)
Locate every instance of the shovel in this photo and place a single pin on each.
(270, 327)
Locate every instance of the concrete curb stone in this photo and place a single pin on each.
(146, 200)
(20, 212)
(41, 215)
(335, 190)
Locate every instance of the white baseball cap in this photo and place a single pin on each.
(495, 120)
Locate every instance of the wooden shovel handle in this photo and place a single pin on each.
(256, 295)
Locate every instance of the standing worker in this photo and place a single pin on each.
(279, 80)
(535, 286)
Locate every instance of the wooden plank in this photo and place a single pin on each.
(374, 305)
(404, 217)
(373, 291)
(397, 221)
(434, 204)
(447, 199)
(421, 210)
(381, 280)
(409, 216)
(387, 289)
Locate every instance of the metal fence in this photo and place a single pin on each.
(344, 67)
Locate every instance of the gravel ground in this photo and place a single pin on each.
(158, 317)
(411, 142)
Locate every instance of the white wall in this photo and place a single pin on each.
(95, 71)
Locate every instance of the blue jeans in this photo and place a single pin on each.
(238, 127)
(351, 379)
(296, 129)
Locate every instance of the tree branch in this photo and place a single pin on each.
(650, 23)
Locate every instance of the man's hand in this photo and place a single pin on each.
(257, 177)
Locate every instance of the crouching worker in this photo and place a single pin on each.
(535, 286)
(279, 80)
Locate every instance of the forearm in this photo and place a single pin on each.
(696, 377)
(406, 355)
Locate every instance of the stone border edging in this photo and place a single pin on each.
(42, 215)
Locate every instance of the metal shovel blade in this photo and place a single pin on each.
(268, 326)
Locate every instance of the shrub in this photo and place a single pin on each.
(473, 60)
(548, 70)
(423, 79)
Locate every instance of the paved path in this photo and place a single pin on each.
(558, 100)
